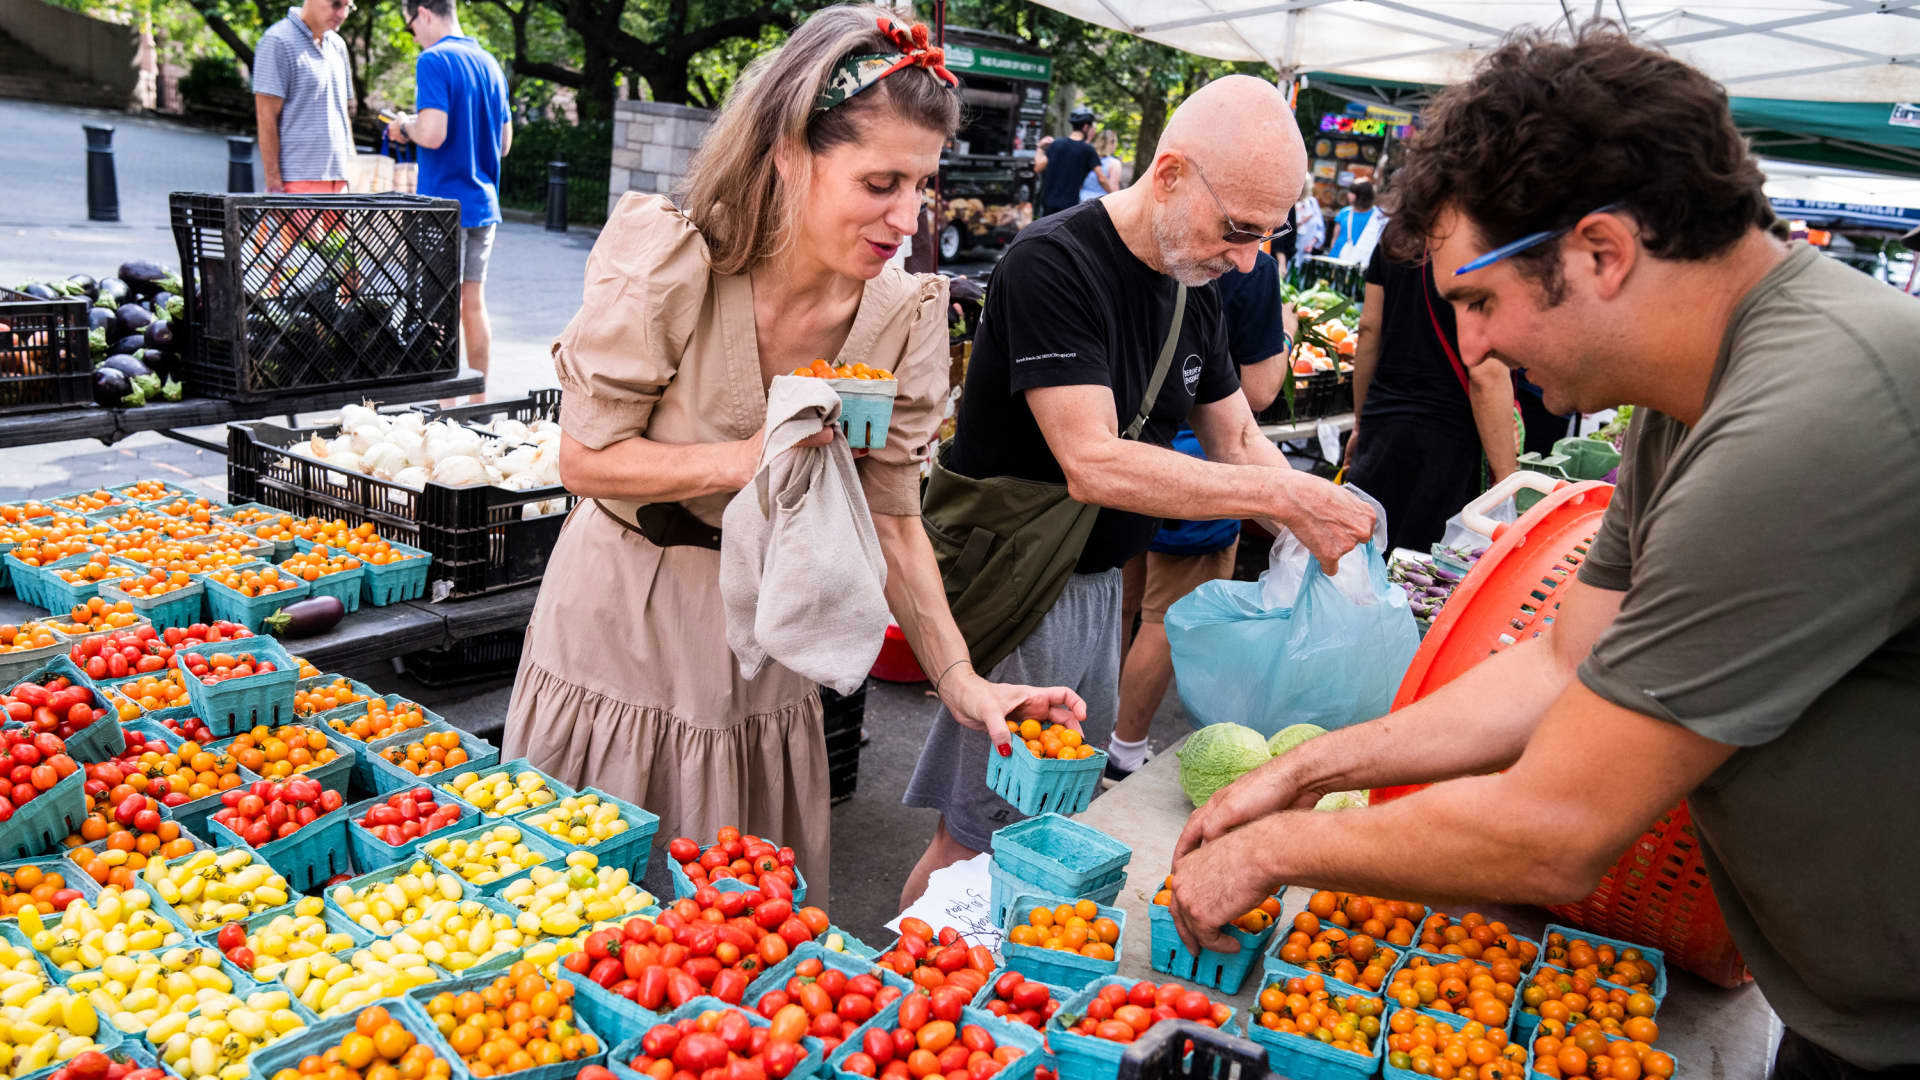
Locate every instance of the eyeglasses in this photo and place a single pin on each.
(1530, 241)
(1236, 233)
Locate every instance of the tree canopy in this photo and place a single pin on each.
(681, 51)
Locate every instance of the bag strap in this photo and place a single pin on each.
(1162, 365)
(1426, 293)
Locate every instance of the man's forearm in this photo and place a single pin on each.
(1490, 392)
(269, 139)
(1463, 842)
(1126, 474)
(1450, 733)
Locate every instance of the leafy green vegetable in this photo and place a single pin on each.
(171, 390)
(97, 342)
(1216, 756)
(1289, 737)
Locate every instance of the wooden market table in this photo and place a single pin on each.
(380, 633)
(1712, 1032)
(111, 425)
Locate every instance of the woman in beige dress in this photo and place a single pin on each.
(806, 185)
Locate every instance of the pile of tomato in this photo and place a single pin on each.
(218, 667)
(929, 1042)
(140, 649)
(55, 704)
(1120, 1013)
(1586, 1051)
(711, 943)
(719, 1044)
(934, 960)
(30, 763)
(1022, 1000)
(829, 1004)
(748, 859)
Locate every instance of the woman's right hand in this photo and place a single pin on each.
(747, 452)
(985, 706)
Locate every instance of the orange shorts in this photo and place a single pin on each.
(1151, 582)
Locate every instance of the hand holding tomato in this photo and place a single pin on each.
(1212, 887)
(985, 706)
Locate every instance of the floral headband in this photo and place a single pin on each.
(857, 73)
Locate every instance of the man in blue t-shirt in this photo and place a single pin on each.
(463, 131)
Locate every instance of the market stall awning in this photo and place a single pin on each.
(1882, 136)
(1842, 200)
(1809, 50)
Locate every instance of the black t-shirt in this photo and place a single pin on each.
(1414, 381)
(1070, 305)
(1250, 308)
(1069, 160)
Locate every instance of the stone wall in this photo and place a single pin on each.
(103, 53)
(652, 145)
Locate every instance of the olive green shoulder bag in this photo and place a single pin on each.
(1006, 546)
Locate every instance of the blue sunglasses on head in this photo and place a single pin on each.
(1529, 241)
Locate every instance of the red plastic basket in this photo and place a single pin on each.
(896, 662)
(1658, 892)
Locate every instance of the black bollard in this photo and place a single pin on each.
(556, 196)
(103, 195)
(239, 164)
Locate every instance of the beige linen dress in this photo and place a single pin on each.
(627, 683)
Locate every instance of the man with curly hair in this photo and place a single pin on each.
(1744, 632)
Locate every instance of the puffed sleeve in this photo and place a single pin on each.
(890, 476)
(646, 280)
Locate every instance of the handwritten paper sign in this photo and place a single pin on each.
(958, 896)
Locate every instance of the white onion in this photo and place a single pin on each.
(410, 421)
(353, 417)
(459, 470)
(413, 476)
(509, 429)
(412, 446)
(382, 459)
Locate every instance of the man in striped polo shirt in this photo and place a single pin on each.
(302, 88)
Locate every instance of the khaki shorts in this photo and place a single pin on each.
(1153, 581)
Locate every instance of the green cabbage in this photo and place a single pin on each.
(1341, 800)
(1289, 737)
(1217, 755)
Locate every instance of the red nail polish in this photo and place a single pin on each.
(1006, 749)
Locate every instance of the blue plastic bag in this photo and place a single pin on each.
(1333, 657)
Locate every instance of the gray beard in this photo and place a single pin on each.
(1169, 229)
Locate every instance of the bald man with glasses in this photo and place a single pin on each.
(302, 94)
(1076, 318)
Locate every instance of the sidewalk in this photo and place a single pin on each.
(533, 284)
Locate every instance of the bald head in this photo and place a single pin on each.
(1229, 166)
(1242, 134)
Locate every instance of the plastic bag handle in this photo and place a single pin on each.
(1474, 515)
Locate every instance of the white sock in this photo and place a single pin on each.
(1126, 756)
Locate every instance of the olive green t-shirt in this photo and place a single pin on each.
(1770, 557)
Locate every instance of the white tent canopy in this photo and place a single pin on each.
(1812, 50)
(1842, 197)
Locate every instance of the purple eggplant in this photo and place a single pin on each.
(305, 618)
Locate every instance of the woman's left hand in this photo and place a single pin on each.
(985, 706)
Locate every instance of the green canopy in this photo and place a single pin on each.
(1852, 135)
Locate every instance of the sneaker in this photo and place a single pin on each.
(1113, 774)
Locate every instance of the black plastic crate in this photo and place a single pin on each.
(44, 363)
(479, 537)
(286, 293)
(487, 656)
(537, 405)
(845, 716)
(1342, 395)
(1312, 399)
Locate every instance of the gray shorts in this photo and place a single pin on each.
(1077, 645)
(478, 245)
